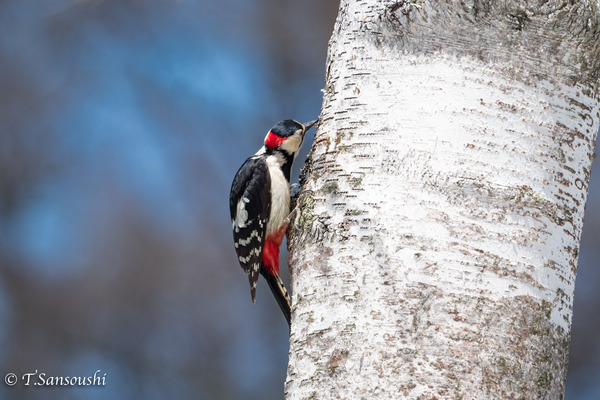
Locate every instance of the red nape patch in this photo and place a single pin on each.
(272, 141)
(271, 252)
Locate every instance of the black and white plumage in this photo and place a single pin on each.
(259, 204)
(250, 206)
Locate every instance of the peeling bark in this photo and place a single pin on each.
(435, 252)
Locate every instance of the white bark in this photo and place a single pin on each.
(436, 249)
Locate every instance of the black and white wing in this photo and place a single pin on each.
(250, 205)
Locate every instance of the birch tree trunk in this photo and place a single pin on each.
(435, 253)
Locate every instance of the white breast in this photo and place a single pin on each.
(280, 196)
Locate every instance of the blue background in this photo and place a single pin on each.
(122, 124)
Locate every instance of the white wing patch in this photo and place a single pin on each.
(241, 215)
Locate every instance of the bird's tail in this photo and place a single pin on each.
(253, 279)
(281, 295)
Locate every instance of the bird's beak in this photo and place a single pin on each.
(310, 124)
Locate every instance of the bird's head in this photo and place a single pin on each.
(287, 135)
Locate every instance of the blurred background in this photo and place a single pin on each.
(122, 124)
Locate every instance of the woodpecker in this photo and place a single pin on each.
(259, 203)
